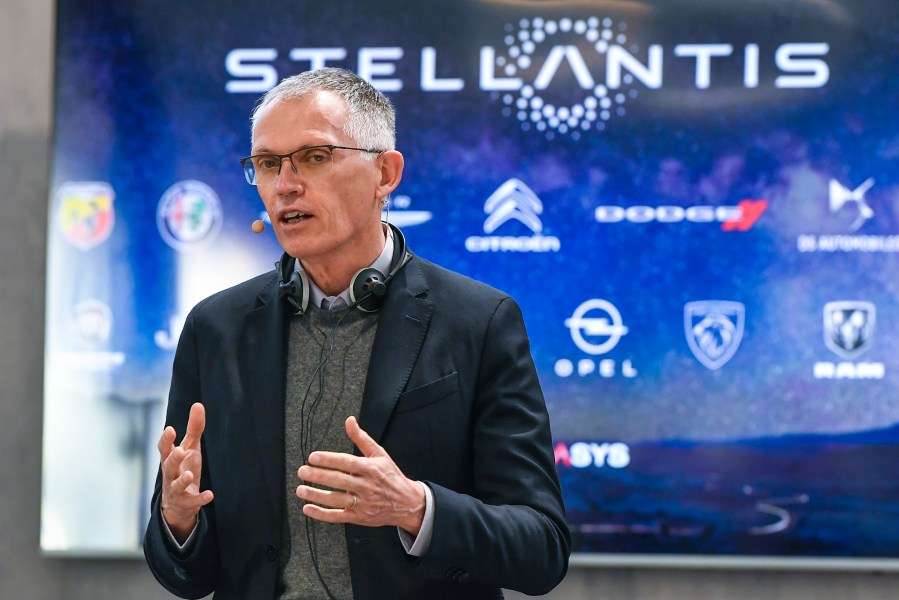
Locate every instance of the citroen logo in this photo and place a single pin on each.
(513, 200)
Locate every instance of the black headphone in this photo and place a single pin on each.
(368, 287)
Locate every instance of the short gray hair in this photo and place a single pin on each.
(371, 120)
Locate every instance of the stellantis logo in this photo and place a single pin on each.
(610, 66)
(584, 44)
(513, 201)
(714, 330)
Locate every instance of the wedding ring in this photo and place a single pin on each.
(353, 505)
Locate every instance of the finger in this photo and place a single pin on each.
(332, 515)
(201, 499)
(186, 505)
(166, 443)
(326, 498)
(179, 486)
(338, 461)
(331, 478)
(171, 466)
(367, 446)
(196, 423)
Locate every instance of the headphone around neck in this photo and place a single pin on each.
(368, 287)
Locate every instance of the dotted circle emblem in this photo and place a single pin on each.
(528, 105)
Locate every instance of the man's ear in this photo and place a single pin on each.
(391, 165)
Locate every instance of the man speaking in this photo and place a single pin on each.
(358, 423)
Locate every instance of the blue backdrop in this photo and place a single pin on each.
(694, 203)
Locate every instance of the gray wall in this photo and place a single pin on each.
(26, 46)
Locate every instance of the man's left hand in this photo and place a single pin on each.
(365, 490)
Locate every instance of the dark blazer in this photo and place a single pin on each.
(452, 394)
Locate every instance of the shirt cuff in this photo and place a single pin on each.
(184, 548)
(417, 545)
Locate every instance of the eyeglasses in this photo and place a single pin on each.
(263, 169)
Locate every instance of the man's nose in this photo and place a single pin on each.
(288, 177)
(289, 159)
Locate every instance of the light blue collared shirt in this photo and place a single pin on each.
(382, 264)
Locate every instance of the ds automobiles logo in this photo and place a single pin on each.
(840, 195)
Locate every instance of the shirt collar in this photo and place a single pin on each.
(382, 264)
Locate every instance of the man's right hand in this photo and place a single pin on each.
(181, 468)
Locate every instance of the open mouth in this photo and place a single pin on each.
(294, 217)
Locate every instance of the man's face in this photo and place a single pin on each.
(330, 215)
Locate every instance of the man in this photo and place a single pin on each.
(270, 486)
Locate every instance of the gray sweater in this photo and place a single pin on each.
(327, 363)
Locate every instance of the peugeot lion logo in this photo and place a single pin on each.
(513, 200)
(848, 327)
(714, 330)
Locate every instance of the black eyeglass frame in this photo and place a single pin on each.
(289, 157)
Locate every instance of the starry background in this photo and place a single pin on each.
(141, 103)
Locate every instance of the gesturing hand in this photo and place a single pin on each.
(365, 490)
(181, 468)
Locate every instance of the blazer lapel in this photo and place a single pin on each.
(402, 325)
(403, 322)
(262, 362)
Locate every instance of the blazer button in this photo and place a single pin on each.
(271, 552)
(456, 574)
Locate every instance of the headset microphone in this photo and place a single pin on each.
(259, 224)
